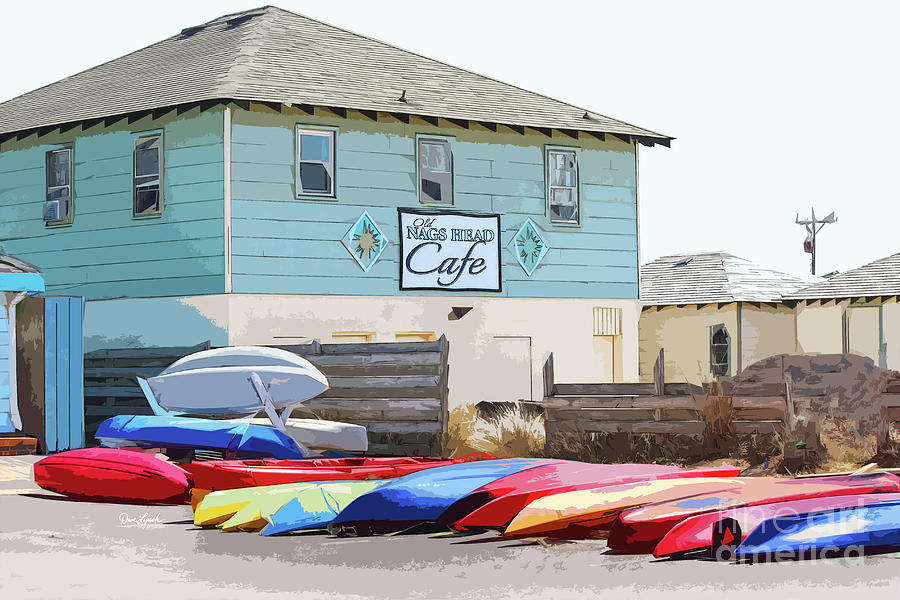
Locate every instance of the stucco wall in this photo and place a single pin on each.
(684, 333)
(819, 328)
(766, 331)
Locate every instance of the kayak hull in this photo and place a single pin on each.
(233, 474)
(640, 530)
(695, 534)
(581, 513)
(231, 437)
(108, 475)
(217, 381)
(422, 497)
(316, 508)
(512, 494)
(856, 529)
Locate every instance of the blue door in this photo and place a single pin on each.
(63, 373)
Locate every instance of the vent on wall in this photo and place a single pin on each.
(607, 321)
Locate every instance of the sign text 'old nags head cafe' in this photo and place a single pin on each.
(449, 250)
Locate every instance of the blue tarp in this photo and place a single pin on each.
(243, 439)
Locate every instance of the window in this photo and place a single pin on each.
(719, 350)
(562, 186)
(58, 209)
(435, 171)
(315, 163)
(147, 169)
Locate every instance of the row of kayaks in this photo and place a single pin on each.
(658, 509)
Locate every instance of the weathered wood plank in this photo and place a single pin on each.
(549, 375)
(112, 411)
(670, 427)
(379, 370)
(767, 402)
(604, 389)
(382, 383)
(598, 414)
(401, 427)
(644, 402)
(376, 410)
(368, 393)
(119, 392)
(387, 347)
(121, 372)
(141, 353)
(409, 358)
(750, 388)
(758, 426)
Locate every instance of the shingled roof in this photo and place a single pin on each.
(273, 55)
(878, 278)
(712, 277)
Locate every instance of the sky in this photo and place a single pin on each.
(776, 107)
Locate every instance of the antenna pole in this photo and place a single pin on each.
(814, 226)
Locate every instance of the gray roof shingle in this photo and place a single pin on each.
(878, 278)
(712, 277)
(272, 55)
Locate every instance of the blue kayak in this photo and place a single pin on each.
(853, 528)
(422, 497)
(243, 440)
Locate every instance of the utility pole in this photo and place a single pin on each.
(813, 226)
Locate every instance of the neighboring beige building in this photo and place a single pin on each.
(713, 313)
(855, 311)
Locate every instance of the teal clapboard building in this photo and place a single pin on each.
(224, 185)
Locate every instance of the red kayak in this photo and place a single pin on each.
(232, 474)
(111, 475)
(504, 498)
(639, 530)
(709, 531)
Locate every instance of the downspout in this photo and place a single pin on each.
(13, 388)
(226, 153)
(882, 347)
(739, 350)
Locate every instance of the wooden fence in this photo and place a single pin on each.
(656, 408)
(398, 391)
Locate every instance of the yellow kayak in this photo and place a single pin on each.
(251, 509)
(580, 512)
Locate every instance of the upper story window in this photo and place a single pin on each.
(435, 171)
(58, 209)
(315, 163)
(147, 176)
(562, 186)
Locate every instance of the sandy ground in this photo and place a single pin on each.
(54, 548)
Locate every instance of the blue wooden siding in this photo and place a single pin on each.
(63, 374)
(284, 245)
(106, 252)
(4, 368)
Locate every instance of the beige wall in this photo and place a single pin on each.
(489, 346)
(766, 331)
(891, 320)
(684, 333)
(819, 329)
(497, 350)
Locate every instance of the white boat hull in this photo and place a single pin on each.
(319, 434)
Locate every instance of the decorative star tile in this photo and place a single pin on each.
(528, 246)
(365, 241)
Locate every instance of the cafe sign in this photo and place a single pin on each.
(449, 250)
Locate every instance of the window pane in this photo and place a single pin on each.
(562, 169)
(146, 161)
(315, 147)
(58, 193)
(146, 201)
(432, 190)
(59, 169)
(435, 156)
(314, 177)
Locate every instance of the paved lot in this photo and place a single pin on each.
(53, 548)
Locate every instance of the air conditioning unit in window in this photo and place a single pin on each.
(51, 210)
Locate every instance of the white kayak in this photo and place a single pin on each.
(218, 381)
(319, 434)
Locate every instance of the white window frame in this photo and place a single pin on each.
(330, 165)
(548, 151)
(143, 137)
(49, 188)
(448, 141)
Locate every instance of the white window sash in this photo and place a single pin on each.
(329, 164)
(552, 157)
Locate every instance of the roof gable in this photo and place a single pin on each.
(878, 278)
(272, 55)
